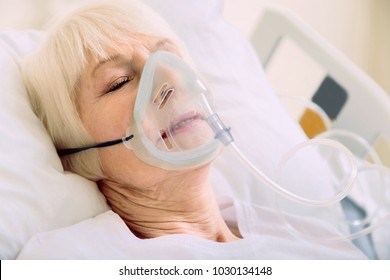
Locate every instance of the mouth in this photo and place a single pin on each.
(180, 125)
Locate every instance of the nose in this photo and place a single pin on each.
(163, 95)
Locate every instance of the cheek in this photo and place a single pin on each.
(109, 122)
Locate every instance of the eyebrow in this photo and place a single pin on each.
(103, 61)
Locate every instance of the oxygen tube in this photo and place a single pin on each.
(223, 134)
(358, 227)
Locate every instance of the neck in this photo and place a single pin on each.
(174, 206)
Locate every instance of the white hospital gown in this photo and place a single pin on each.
(265, 237)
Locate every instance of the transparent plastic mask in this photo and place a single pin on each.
(169, 123)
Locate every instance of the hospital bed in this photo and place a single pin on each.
(40, 203)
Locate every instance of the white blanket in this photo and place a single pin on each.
(265, 237)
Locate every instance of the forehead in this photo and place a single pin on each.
(125, 48)
(128, 44)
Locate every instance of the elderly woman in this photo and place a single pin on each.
(86, 82)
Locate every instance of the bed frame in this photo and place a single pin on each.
(352, 100)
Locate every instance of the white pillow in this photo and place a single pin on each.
(35, 194)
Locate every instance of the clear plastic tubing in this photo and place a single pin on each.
(355, 137)
(289, 195)
(223, 134)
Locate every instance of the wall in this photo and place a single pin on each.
(380, 67)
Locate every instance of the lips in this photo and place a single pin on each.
(180, 124)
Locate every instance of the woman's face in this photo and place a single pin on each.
(106, 101)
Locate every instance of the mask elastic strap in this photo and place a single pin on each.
(64, 152)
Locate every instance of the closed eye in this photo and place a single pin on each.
(118, 84)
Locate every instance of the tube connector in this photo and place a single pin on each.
(222, 133)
